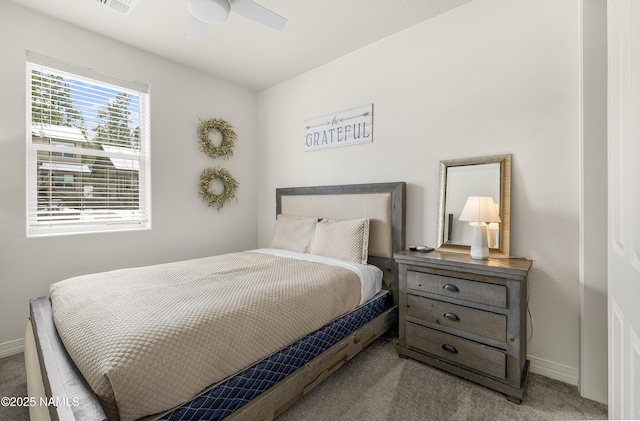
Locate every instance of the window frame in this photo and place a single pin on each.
(100, 219)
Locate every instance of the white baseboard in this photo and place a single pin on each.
(554, 371)
(11, 348)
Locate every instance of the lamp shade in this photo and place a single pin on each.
(480, 209)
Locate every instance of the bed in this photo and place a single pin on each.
(265, 385)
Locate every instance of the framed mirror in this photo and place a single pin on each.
(479, 176)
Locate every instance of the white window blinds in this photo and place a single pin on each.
(88, 165)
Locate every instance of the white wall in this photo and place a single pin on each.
(182, 225)
(490, 77)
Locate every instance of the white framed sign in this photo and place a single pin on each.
(343, 128)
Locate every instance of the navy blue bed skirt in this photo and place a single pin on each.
(234, 392)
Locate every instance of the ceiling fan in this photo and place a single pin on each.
(204, 12)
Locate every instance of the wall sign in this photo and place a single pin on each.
(343, 128)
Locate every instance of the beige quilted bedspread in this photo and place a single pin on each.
(149, 339)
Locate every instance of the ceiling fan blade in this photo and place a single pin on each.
(196, 28)
(252, 10)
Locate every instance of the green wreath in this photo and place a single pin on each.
(228, 137)
(230, 185)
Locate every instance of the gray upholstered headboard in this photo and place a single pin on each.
(382, 203)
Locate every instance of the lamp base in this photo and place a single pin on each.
(479, 242)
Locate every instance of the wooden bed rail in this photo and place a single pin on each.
(68, 396)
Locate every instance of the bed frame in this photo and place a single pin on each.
(51, 374)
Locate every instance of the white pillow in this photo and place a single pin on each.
(293, 233)
(345, 240)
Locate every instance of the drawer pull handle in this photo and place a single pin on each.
(450, 348)
(452, 316)
(451, 288)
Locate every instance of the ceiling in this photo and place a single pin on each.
(243, 51)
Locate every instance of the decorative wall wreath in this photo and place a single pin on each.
(228, 137)
(230, 185)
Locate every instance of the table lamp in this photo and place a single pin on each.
(479, 211)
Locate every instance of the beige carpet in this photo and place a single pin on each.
(13, 383)
(378, 385)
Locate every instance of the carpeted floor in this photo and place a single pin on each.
(13, 383)
(378, 385)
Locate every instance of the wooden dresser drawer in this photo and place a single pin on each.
(464, 289)
(457, 350)
(478, 322)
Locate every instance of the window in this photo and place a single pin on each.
(59, 143)
(63, 180)
(87, 150)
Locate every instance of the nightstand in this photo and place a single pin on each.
(466, 316)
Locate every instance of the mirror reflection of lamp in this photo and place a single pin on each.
(479, 211)
(493, 231)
